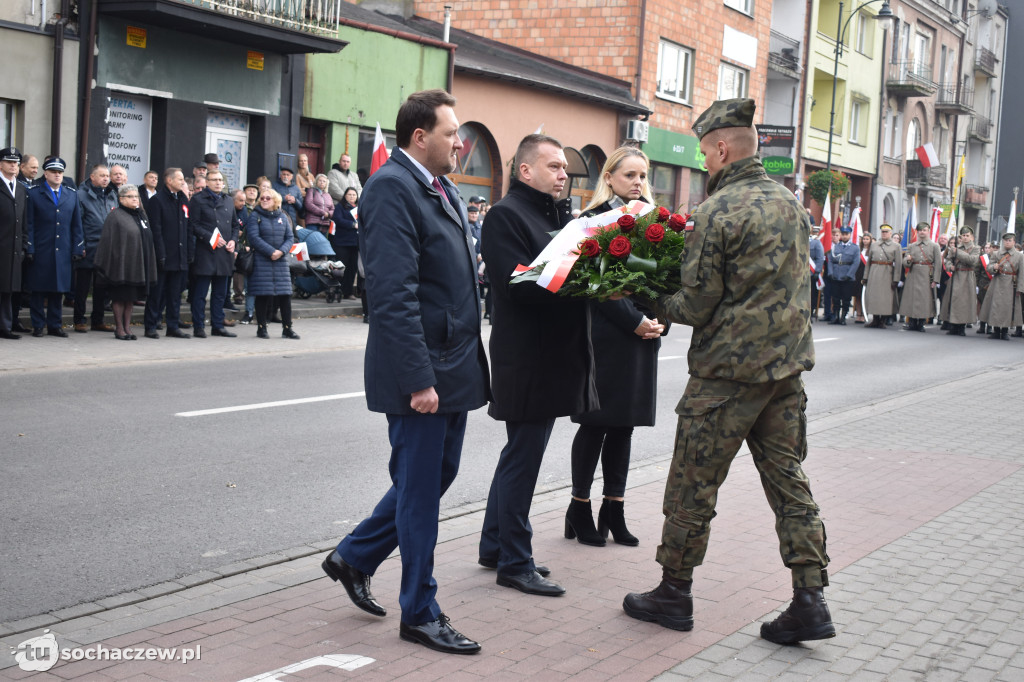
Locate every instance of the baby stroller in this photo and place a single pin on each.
(319, 273)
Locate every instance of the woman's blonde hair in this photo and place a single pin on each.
(277, 199)
(603, 192)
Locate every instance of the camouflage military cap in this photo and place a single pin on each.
(966, 230)
(923, 226)
(885, 228)
(725, 113)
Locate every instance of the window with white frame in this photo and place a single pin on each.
(745, 6)
(675, 71)
(732, 82)
(858, 119)
(6, 123)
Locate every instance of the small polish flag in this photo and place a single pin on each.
(184, 208)
(821, 282)
(858, 228)
(331, 227)
(926, 153)
(380, 152)
(985, 260)
(300, 250)
(355, 212)
(217, 241)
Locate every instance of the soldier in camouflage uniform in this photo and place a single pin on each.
(959, 306)
(744, 292)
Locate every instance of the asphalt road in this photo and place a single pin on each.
(108, 488)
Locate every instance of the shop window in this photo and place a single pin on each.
(664, 183)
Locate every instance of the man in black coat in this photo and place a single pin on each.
(425, 365)
(13, 203)
(542, 364)
(175, 247)
(97, 197)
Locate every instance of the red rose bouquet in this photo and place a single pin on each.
(635, 248)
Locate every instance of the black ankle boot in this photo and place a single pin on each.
(807, 617)
(288, 333)
(612, 517)
(982, 328)
(1018, 333)
(670, 604)
(261, 332)
(579, 524)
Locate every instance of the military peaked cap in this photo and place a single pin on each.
(725, 113)
(923, 226)
(885, 227)
(966, 230)
(1010, 235)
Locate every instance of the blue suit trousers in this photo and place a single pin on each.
(425, 454)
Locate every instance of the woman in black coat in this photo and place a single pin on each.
(345, 240)
(626, 340)
(270, 234)
(125, 258)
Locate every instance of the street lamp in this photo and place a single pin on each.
(884, 14)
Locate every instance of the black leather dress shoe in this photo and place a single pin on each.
(17, 326)
(668, 605)
(56, 331)
(439, 635)
(4, 334)
(531, 582)
(493, 564)
(220, 331)
(177, 334)
(355, 582)
(199, 333)
(38, 332)
(151, 334)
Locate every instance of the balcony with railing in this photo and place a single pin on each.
(985, 62)
(975, 196)
(910, 79)
(284, 26)
(784, 54)
(919, 176)
(980, 128)
(955, 99)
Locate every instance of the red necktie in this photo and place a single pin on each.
(437, 186)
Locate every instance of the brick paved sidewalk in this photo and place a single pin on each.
(924, 534)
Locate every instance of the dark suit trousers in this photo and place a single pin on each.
(166, 293)
(217, 287)
(51, 316)
(6, 312)
(425, 454)
(84, 279)
(507, 534)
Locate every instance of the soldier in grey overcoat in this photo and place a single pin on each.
(1001, 309)
(959, 302)
(923, 265)
(881, 275)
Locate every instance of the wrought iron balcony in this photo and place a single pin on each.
(980, 128)
(956, 99)
(784, 54)
(919, 176)
(910, 79)
(985, 62)
(975, 196)
(284, 26)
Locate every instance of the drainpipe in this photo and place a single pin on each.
(58, 63)
(83, 142)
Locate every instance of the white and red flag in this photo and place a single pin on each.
(300, 250)
(936, 223)
(826, 222)
(331, 228)
(216, 240)
(926, 153)
(380, 151)
(985, 260)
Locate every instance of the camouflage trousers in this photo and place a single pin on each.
(715, 417)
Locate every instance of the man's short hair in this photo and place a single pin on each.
(168, 172)
(419, 111)
(96, 167)
(527, 150)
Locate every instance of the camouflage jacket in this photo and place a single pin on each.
(744, 274)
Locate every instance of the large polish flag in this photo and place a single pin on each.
(926, 153)
(380, 151)
(826, 222)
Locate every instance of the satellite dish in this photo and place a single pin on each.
(987, 8)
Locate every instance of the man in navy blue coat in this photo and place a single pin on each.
(175, 249)
(54, 239)
(425, 366)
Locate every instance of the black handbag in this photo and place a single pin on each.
(245, 261)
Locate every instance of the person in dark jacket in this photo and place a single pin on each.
(291, 203)
(270, 234)
(425, 364)
(345, 240)
(125, 258)
(542, 363)
(54, 241)
(175, 248)
(626, 338)
(212, 213)
(13, 207)
(97, 197)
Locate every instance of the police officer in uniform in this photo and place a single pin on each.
(750, 313)
(843, 261)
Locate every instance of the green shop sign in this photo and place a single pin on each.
(778, 165)
(664, 146)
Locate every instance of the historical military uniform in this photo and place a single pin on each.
(744, 292)
(843, 261)
(923, 266)
(1001, 309)
(881, 275)
(959, 306)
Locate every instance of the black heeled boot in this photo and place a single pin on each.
(612, 517)
(579, 524)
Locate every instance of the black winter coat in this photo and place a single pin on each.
(542, 363)
(12, 237)
(172, 240)
(206, 212)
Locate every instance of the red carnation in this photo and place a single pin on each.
(620, 247)
(676, 222)
(663, 214)
(589, 248)
(655, 233)
(627, 222)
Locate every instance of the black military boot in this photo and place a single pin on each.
(1004, 333)
(670, 604)
(945, 326)
(806, 618)
(1018, 333)
(982, 328)
(960, 330)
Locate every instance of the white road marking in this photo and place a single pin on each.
(670, 357)
(276, 403)
(832, 338)
(342, 661)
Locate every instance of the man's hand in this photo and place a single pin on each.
(230, 246)
(289, 198)
(649, 329)
(425, 401)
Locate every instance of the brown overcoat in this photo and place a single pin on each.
(923, 263)
(885, 261)
(959, 302)
(1001, 307)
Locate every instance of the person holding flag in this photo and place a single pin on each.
(923, 265)
(843, 260)
(1001, 309)
(881, 277)
(211, 216)
(959, 306)
(817, 264)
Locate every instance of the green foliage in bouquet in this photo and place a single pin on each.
(818, 185)
(640, 255)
